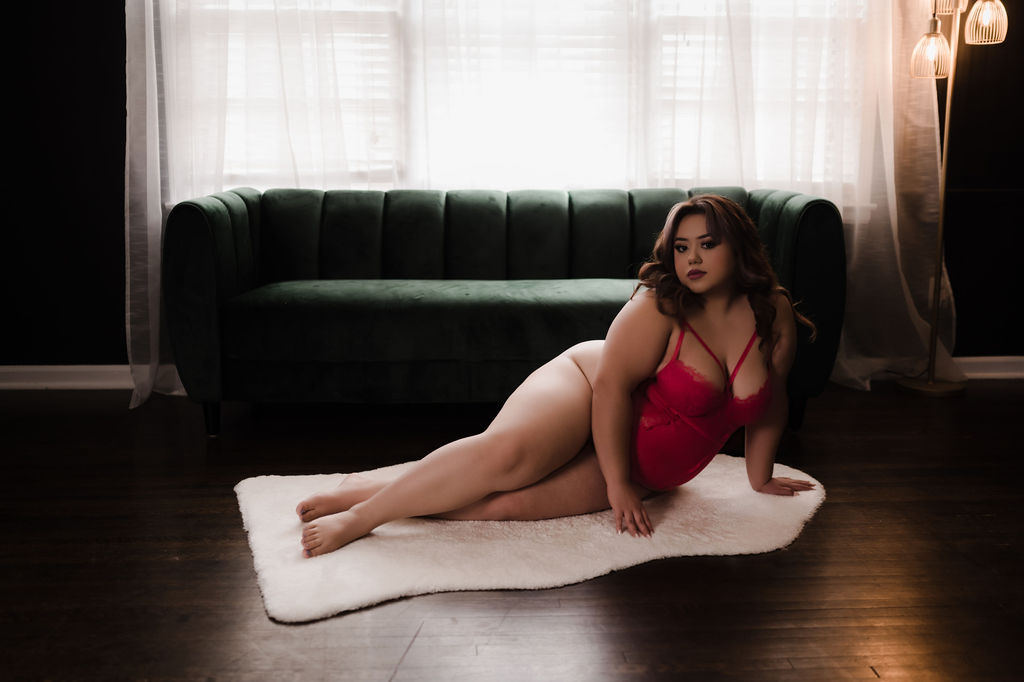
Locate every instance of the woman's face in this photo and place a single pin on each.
(702, 264)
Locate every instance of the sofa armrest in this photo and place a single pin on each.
(208, 255)
(809, 256)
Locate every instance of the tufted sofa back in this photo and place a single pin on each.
(467, 234)
(301, 234)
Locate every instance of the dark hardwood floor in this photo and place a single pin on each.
(124, 556)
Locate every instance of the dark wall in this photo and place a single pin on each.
(62, 258)
(62, 253)
(984, 235)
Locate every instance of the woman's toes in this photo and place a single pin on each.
(312, 541)
(331, 533)
(330, 502)
(310, 544)
(316, 506)
(310, 534)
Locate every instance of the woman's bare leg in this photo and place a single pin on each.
(542, 426)
(352, 490)
(577, 488)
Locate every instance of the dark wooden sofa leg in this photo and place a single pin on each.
(211, 412)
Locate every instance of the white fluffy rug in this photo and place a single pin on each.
(715, 513)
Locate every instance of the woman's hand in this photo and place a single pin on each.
(628, 507)
(785, 486)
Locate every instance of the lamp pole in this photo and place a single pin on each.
(987, 25)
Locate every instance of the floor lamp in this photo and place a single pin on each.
(934, 58)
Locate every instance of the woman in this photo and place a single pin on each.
(609, 423)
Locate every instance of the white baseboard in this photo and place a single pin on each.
(65, 377)
(992, 367)
(118, 377)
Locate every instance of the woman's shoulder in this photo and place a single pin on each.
(636, 339)
(643, 312)
(643, 298)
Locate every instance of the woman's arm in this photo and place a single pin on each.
(633, 348)
(762, 437)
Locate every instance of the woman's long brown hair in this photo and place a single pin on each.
(728, 224)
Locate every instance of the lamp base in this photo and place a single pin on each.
(933, 389)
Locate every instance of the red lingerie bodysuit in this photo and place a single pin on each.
(681, 420)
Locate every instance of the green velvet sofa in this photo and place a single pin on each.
(420, 296)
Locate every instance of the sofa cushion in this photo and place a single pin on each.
(291, 234)
(350, 234)
(599, 235)
(538, 234)
(418, 320)
(475, 234)
(413, 234)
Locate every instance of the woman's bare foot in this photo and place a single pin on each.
(352, 490)
(333, 532)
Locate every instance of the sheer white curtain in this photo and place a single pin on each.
(790, 94)
(528, 93)
(262, 93)
(149, 359)
(891, 230)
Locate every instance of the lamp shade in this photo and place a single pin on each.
(986, 24)
(931, 54)
(947, 6)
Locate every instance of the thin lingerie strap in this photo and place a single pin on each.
(750, 344)
(706, 347)
(679, 343)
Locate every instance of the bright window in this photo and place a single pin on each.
(534, 93)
